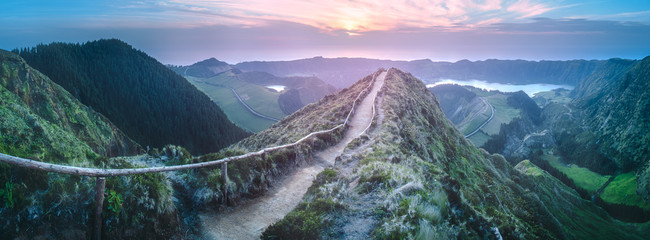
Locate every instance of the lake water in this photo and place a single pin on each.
(529, 89)
(278, 88)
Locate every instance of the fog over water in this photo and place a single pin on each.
(278, 88)
(529, 89)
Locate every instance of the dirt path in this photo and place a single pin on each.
(248, 220)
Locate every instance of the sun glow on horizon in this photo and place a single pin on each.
(361, 16)
(238, 30)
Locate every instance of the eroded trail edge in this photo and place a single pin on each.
(248, 220)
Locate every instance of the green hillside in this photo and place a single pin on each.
(32, 97)
(39, 120)
(619, 116)
(150, 103)
(258, 97)
(231, 106)
(417, 177)
(252, 88)
(605, 127)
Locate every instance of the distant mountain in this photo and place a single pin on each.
(40, 120)
(203, 69)
(341, 72)
(150, 103)
(601, 81)
(309, 89)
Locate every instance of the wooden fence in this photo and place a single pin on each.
(102, 173)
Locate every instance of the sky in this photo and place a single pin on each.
(183, 32)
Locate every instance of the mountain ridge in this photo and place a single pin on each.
(41, 121)
(413, 175)
(340, 72)
(52, 103)
(139, 94)
(416, 176)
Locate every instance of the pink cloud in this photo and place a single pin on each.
(359, 16)
(528, 9)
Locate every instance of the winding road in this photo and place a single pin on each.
(486, 121)
(249, 107)
(249, 220)
(240, 101)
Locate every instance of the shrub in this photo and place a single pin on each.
(114, 200)
(7, 195)
(305, 222)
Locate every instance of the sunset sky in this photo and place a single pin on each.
(183, 32)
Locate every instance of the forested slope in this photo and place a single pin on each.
(150, 103)
(41, 121)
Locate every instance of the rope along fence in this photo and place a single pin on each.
(102, 173)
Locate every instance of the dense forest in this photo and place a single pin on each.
(149, 102)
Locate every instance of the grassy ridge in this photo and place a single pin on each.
(416, 177)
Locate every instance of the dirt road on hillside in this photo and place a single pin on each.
(486, 121)
(247, 221)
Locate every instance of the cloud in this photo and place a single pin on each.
(619, 16)
(528, 9)
(360, 16)
(570, 25)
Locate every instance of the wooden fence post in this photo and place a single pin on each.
(224, 177)
(100, 186)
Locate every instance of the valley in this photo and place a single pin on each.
(251, 104)
(541, 135)
(272, 120)
(237, 110)
(404, 164)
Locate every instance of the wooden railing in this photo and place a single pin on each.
(102, 173)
